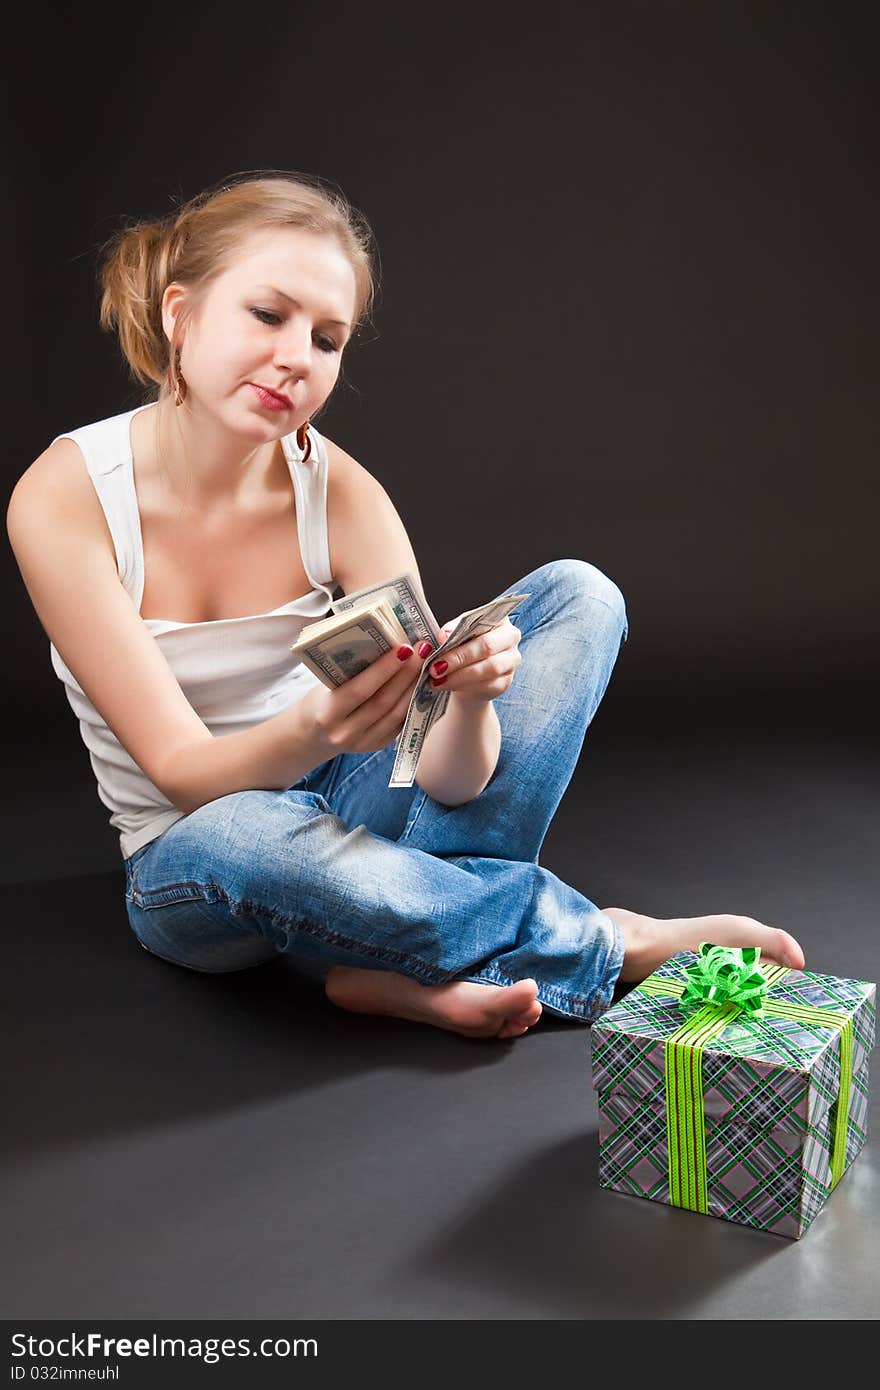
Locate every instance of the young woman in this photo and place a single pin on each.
(174, 552)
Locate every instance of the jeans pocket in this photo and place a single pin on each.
(131, 872)
(169, 889)
(170, 894)
(199, 935)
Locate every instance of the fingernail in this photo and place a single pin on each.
(425, 648)
(404, 653)
(441, 680)
(439, 667)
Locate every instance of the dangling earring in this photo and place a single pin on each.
(303, 440)
(178, 381)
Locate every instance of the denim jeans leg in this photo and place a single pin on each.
(258, 872)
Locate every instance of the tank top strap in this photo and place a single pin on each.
(106, 448)
(309, 476)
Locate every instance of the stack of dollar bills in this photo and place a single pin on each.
(371, 621)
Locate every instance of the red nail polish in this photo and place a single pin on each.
(425, 648)
(441, 667)
(439, 680)
(404, 653)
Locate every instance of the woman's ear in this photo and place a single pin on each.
(173, 301)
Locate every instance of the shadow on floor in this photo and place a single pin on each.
(116, 1040)
(595, 1253)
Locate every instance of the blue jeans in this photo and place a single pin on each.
(340, 869)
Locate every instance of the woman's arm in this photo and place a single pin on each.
(461, 751)
(366, 537)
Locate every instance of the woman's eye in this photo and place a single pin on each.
(266, 316)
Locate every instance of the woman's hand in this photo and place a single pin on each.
(365, 713)
(482, 668)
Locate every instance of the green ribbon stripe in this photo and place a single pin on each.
(727, 982)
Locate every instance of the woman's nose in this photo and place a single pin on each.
(293, 349)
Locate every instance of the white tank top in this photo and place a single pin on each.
(235, 672)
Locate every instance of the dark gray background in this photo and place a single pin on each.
(629, 297)
(629, 314)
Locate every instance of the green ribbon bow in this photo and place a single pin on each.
(727, 982)
(727, 975)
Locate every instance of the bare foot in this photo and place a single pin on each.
(652, 940)
(476, 1011)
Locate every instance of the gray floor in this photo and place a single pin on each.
(222, 1147)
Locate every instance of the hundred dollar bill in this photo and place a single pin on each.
(407, 601)
(338, 648)
(412, 611)
(424, 707)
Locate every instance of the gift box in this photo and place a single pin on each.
(734, 1088)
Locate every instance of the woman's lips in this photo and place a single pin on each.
(270, 399)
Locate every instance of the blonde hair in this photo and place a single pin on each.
(196, 244)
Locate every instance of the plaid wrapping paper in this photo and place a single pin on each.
(770, 1092)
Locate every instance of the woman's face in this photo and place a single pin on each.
(278, 317)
